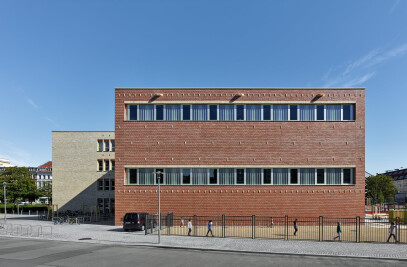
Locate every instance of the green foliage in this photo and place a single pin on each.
(380, 188)
(20, 184)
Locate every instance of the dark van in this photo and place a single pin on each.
(134, 221)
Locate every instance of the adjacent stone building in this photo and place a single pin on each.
(83, 170)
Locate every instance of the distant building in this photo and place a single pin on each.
(44, 174)
(400, 182)
(83, 170)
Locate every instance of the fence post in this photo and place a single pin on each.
(195, 225)
(357, 231)
(286, 227)
(223, 225)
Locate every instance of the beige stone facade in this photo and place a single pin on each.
(83, 170)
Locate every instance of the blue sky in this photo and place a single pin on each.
(61, 60)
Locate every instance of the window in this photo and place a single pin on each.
(240, 176)
(253, 176)
(213, 112)
(100, 145)
(131, 112)
(320, 176)
(280, 112)
(226, 112)
(173, 176)
(112, 184)
(131, 176)
(213, 176)
(113, 145)
(173, 112)
(280, 176)
(239, 112)
(227, 176)
(253, 112)
(146, 112)
(333, 112)
(294, 176)
(186, 110)
(307, 176)
(107, 185)
(159, 173)
(199, 176)
(266, 112)
(186, 176)
(199, 112)
(159, 112)
(293, 112)
(307, 112)
(100, 165)
(106, 165)
(348, 176)
(333, 176)
(267, 176)
(348, 112)
(146, 176)
(100, 185)
(107, 147)
(112, 164)
(320, 112)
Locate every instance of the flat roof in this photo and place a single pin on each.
(245, 88)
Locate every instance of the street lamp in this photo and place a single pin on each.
(158, 175)
(5, 203)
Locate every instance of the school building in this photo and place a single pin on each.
(240, 151)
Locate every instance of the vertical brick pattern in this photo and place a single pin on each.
(237, 143)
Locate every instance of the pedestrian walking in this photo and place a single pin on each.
(272, 223)
(392, 231)
(339, 231)
(295, 227)
(189, 225)
(182, 222)
(210, 229)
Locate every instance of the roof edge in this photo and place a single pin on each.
(246, 88)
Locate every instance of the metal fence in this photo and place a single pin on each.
(264, 227)
(151, 222)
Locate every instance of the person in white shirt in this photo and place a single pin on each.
(392, 232)
(189, 225)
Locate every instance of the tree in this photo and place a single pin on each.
(46, 191)
(20, 184)
(380, 188)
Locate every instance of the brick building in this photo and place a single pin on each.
(241, 151)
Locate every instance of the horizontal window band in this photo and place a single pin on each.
(238, 167)
(238, 102)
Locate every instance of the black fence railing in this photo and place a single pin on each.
(284, 228)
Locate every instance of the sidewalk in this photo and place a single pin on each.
(109, 234)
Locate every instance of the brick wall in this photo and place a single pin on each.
(241, 143)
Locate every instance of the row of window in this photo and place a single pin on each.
(106, 146)
(240, 112)
(44, 177)
(106, 205)
(248, 176)
(106, 185)
(106, 165)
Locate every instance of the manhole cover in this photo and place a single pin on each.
(85, 238)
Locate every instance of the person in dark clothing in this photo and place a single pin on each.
(210, 229)
(295, 227)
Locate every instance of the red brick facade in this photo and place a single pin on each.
(241, 143)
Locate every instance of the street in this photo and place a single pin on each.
(33, 252)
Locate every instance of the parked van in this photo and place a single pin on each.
(134, 221)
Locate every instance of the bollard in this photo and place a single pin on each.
(29, 212)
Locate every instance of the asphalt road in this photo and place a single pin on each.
(30, 252)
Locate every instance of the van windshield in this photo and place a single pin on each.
(131, 216)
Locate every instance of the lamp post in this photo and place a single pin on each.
(5, 203)
(158, 175)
